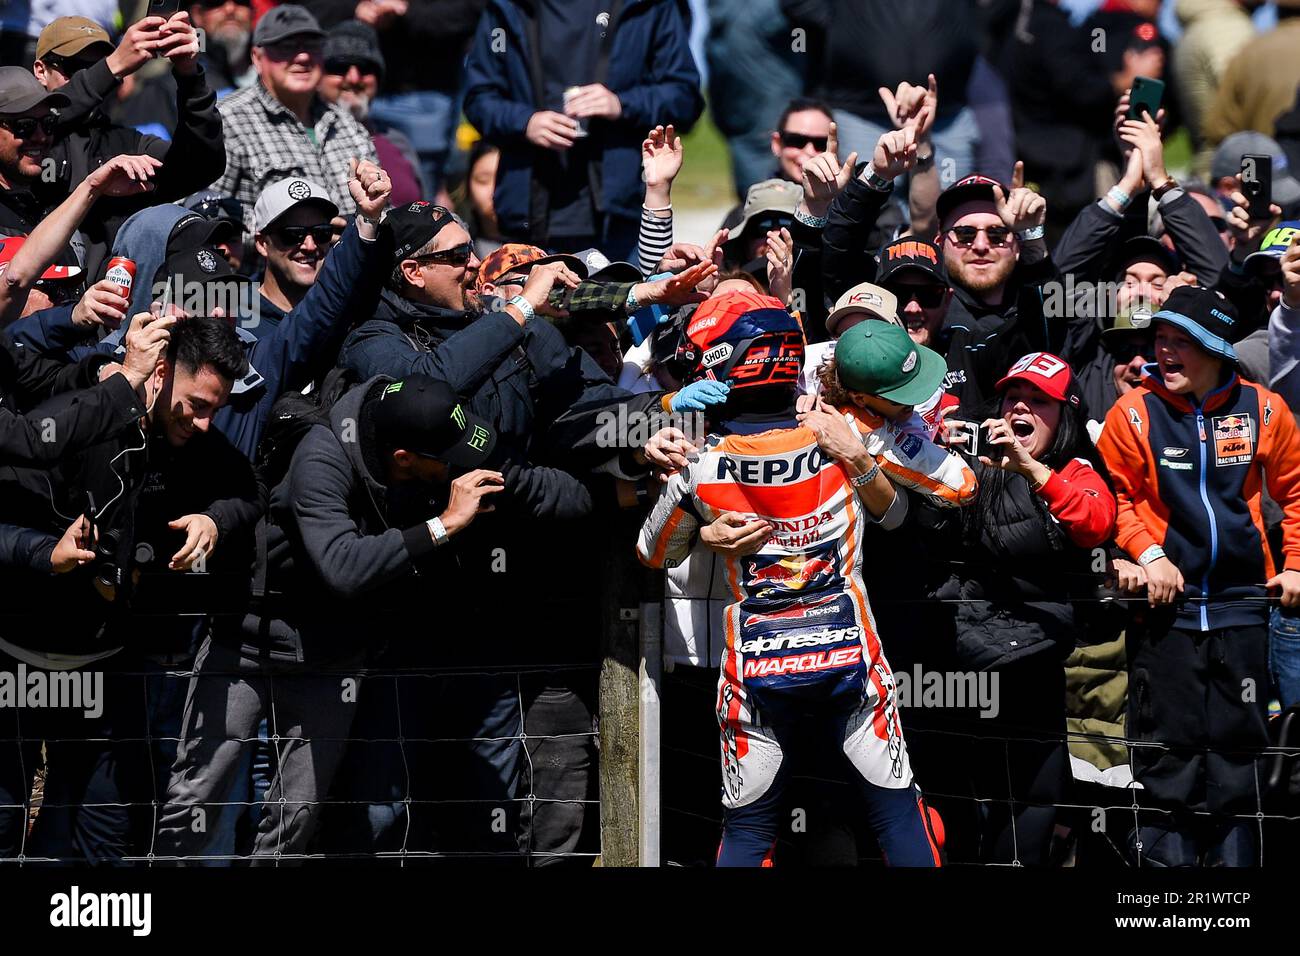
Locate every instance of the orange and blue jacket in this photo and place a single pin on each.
(1188, 479)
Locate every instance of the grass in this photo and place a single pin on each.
(705, 180)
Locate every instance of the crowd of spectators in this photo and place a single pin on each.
(324, 475)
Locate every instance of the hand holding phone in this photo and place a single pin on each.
(1145, 96)
(1257, 184)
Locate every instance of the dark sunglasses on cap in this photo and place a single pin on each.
(455, 256)
(295, 235)
(799, 141)
(23, 127)
(965, 235)
(221, 207)
(928, 296)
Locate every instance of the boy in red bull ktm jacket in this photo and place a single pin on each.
(802, 649)
(1189, 451)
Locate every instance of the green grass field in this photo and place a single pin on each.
(705, 179)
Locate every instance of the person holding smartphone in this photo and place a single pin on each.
(1015, 561)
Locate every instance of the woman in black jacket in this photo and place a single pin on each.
(1016, 560)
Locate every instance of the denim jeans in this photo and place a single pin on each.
(434, 764)
(1284, 654)
(955, 140)
(429, 120)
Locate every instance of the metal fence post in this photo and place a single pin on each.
(652, 662)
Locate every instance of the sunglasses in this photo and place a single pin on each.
(67, 67)
(24, 127)
(59, 292)
(294, 235)
(341, 67)
(290, 48)
(227, 207)
(455, 256)
(927, 296)
(799, 141)
(1126, 350)
(965, 235)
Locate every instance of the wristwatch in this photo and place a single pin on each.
(524, 306)
(1166, 186)
(923, 162)
(879, 183)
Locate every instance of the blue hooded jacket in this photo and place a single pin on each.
(294, 352)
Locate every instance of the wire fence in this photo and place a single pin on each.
(277, 766)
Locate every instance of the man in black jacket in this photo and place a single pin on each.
(27, 124)
(352, 547)
(172, 495)
(76, 58)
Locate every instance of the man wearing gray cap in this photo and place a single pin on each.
(280, 126)
(1226, 165)
(26, 127)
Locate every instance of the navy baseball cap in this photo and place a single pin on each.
(1205, 315)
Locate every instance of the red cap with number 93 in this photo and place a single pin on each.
(1047, 372)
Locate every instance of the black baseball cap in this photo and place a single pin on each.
(974, 186)
(1145, 249)
(196, 230)
(911, 253)
(414, 225)
(201, 278)
(424, 415)
(287, 20)
(353, 42)
(1203, 314)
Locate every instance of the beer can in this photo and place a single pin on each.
(569, 94)
(121, 271)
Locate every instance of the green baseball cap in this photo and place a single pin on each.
(880, 359)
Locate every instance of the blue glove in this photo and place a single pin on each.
(697, 395)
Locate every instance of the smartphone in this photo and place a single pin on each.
(163, 8)
(994, 453)
(1257, 183)
(1145, 97)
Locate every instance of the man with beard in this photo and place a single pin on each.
(280, 126)
(224, 59)
(354, 68)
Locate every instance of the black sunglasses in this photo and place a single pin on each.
(341, 67)
(69, 67)
(799, 141)
(225, 207)
(23, 127)
(455, 256)
(1127, 349)
(965, 235)
(294, 235)
(929, 296)
(59, 291)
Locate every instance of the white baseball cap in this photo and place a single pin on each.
(279, 198)
(863, 298)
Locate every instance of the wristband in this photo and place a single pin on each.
(524, 306)
(438, 531)
(1032, 233)
(1169, 184)
(668, 208)
(867, 477)
(1119, 197)
(1151, 554)
(808, 219)
(631, 304)
(879, 183)
(923, 162)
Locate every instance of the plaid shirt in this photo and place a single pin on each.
(593, 296)
(265, 143)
